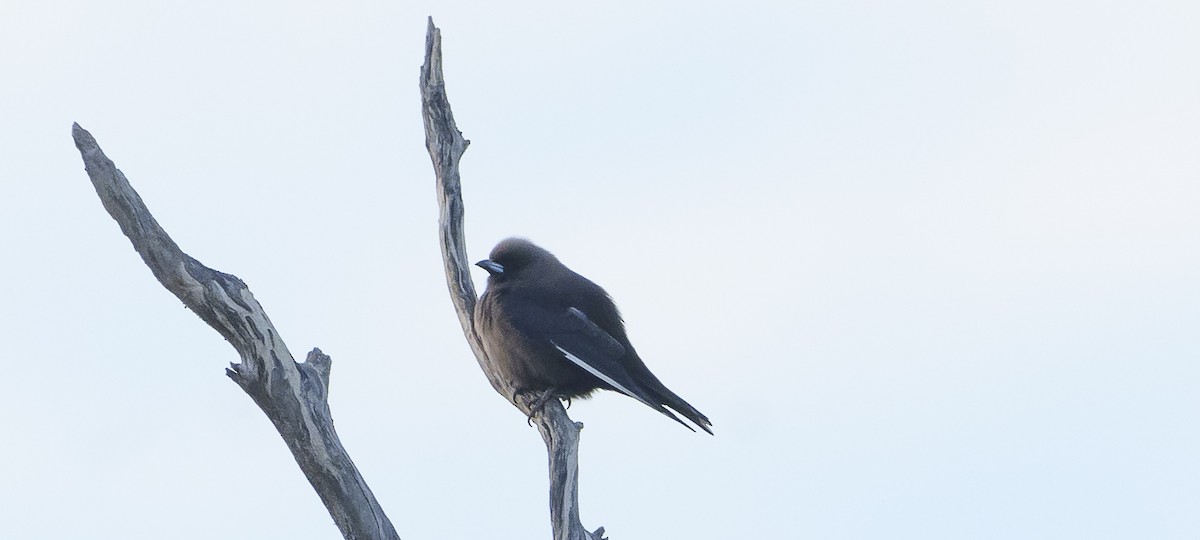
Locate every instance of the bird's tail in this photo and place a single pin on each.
(676, 403)
(658, 395)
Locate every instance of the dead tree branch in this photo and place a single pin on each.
(293, 395)
(446, 146)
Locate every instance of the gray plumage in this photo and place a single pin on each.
(553, 332)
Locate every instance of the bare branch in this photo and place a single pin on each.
(294, 396)
(446, 146)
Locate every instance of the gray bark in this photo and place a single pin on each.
(561, 435)
(293, 395)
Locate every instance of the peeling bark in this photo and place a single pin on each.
(293, 395)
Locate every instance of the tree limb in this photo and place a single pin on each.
(561, 435)
(294, 396)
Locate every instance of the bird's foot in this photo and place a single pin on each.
(535, 406)
(543, 399)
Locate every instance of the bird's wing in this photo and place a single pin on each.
(578, 340)
(584, 343)
(587, 345)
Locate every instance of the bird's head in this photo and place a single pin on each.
(513, 257)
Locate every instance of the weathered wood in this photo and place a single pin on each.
(294, 396)
(561, 435)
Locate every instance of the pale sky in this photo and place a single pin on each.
(931, 268)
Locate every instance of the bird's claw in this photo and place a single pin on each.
(540, 401)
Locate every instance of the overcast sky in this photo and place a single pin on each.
(931, 268)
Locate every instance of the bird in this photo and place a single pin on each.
(555, 334)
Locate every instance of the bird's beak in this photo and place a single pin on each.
(492, 267)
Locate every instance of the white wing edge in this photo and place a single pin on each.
(579, 362)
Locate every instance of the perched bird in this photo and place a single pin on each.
(553, 332)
